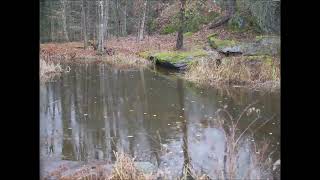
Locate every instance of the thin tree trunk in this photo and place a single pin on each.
(179, 44)
(84, 24)
(51, 22)
(117, 19)
(143, 21)
(124, 26)
(106, 18)
(100, 33)
(64, 20)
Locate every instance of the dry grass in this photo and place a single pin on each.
(124, 169)
(49, 71)
(126, 61)
(252, 71)
(260, 160)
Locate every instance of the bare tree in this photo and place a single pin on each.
(179, 44)
(117, 19)
(84, 24)
(64, 20)
(51, 22)
(141, 30)
(124, 26)
(100, 30)
(106, 17)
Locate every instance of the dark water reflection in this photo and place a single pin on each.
(94, 110)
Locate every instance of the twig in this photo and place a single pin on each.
(246, 130)
(245, 110)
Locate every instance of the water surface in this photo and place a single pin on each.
(95, 110)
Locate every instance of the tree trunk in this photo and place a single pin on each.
(143, 21)
(117, 19)
(106, 18)
(100, 32)
(179, 44)
(84, 24)
(230, 8)
(64, 20)
(51, 22)
(124, 26)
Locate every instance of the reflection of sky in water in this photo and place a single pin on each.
(94, 111)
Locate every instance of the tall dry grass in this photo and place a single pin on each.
(49, 70)
(126, 61)
(125, 169)
(259, 72)
(260, 155)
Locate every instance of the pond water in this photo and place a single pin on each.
(95, 110)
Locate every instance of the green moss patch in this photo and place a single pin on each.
(188, 34)
(219, 43)
(178, 56)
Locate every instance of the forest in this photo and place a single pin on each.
(133, 89)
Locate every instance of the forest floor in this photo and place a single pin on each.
(126, 53)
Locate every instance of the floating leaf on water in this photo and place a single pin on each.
(129, 136)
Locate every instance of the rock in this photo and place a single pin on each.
(146, 167)
(176, 59)
(264, 45)
(267, 45)
(231, 50)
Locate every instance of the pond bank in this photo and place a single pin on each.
(209, 58)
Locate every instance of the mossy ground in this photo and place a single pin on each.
(174, 56)
(218, 43)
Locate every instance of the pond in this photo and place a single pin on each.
(95, 110)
